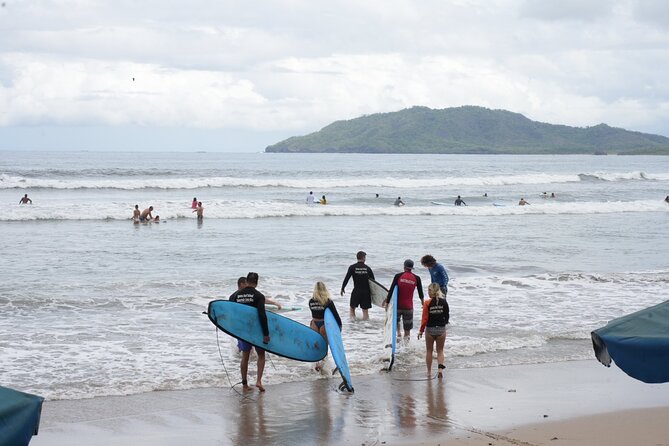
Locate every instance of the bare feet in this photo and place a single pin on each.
(260, 387)
(245, 386)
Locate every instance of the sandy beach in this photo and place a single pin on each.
(568, 403)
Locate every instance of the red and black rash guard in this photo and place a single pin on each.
(251, 296)
(318, 310)
(406, 283)
(361, 274)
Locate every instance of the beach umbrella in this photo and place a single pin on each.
(638, 343)
(19, 416)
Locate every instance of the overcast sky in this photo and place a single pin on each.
(240, 75)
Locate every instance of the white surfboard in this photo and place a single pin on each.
(390, 332)
(378, 292)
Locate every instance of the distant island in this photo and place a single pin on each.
(469, 129)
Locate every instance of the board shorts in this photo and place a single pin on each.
(246, 347)
(407, 318)
(436, 331)
(362, 299)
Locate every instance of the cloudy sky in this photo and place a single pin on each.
(240, 75)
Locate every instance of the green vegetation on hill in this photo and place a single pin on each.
(468, 129)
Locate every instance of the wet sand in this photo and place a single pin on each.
(574, 403)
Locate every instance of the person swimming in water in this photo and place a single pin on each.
(323, 200)
(25, 200)
(459, 201)
(319, 302)
(523, 202)
(399, 202)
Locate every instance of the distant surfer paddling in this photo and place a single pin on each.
(25, 200)
(360, 296)
(399, 202)
(459, 201)
(523, 202)
(252, 297)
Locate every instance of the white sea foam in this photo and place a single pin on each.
(324, 183)
(227, 209)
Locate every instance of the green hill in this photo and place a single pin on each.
(468, 129)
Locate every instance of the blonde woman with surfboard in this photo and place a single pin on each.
(317, 304)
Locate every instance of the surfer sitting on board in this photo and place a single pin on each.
(406, 283)
(523, 202)
(317, 304)
(360, 296)
(25, 200)
(433, 323)
(252, 297)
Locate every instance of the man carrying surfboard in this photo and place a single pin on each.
(360, 296)
(250, 296)
(406, 282)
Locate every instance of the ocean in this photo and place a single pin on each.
(92, 304)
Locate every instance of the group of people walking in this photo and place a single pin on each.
(435, 311)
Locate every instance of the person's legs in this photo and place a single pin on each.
(261, 368)
(440, 353)
(429, 341)
(244, 366)
(352, 312)
(365, 314)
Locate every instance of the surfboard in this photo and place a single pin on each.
(390, 331)
(498, 204)
(440, 203)
(337, 349)
(284, 308)
(378, 292)
(288, 338)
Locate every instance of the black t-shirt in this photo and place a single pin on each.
(251, 296)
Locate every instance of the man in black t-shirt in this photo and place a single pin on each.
(360, 296)
(250, 296)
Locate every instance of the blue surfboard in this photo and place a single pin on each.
(390, 330)
(337, 348)
(288, 338)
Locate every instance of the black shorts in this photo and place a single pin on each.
(361, 299)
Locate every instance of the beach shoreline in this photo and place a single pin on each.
(576, 402)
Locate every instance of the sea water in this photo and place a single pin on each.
(92, 304)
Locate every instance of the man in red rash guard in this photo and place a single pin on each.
(406, 282)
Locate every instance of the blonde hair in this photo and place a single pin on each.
(321, 293)
(434, 291)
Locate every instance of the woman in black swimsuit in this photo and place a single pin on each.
(317, 304)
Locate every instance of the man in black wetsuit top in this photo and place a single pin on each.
(250, 296)
(360, 296)
(459, 201)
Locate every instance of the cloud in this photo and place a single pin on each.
(296, 65)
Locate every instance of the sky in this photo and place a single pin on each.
(237, 76)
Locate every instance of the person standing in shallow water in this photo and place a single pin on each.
(200, 210)
(319, 302)
(406, 282)
(433, 323)
(193, 205)
(252, 297)
(25, 200)
(361, 295)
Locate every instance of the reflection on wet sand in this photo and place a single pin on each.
(382, 409)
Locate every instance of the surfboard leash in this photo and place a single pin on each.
(232, 386)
